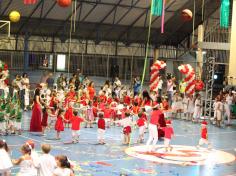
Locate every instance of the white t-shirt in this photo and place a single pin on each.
(62, 172)
(170, 85)
(117, 83)
(229, 100)
(25, 81)
(47, 165)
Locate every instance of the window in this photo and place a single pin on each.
(61, 62)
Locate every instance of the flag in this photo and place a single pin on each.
(224, 13)
(30, 2)
(156, 9)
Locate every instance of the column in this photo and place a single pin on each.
(156, 54)
(200, 53)
(232, 56)
(26, 52)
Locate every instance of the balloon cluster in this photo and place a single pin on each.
(188, 70)
(4, 73)
(155, 68)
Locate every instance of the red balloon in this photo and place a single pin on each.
(199, 85)
(64, 3)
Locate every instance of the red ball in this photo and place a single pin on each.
(64, 3)
(187, 15)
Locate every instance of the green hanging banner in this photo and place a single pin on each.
(156, 9)
(224, 13)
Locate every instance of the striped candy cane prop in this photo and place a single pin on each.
(188, 70)
(155, 68)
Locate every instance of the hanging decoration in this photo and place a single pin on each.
(224, 13)
(182, 86)
(156, 9)
(186, 15)
(199, 85)
(163, 17)
(154, 78)
(30, 2)
(14, 16)
(188, 70)
(64, 3)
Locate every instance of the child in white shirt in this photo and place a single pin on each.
(47, 162)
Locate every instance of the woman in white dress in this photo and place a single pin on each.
(219, 107)
(5, 164)
(63, 167)
(190, 107)
(229, 102)
(197, 108)
(185, 106)
(25, 162)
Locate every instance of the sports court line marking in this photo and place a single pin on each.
(197, 134)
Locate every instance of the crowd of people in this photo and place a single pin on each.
(32, 164)
(69, 103)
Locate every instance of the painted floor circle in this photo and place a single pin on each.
(181, 155)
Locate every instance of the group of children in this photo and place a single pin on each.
(10, 116)
(31, 164)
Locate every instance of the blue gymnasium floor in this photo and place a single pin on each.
(111, 159)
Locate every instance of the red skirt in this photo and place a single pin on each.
(35, 123)
(59, 126)
(127, 130)
(69, 114)
(44, 122)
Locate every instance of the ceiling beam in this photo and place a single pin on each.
(132, 24)
(66, 20)
(7, 6)
(45, 16)
(112, 4)
(104, 18)
(29, 17)
(121, 18)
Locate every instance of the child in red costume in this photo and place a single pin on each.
(141, 124)
(101, 128)
(204, 136)
(107, 115)
(127, 124)
(69, 112)
(75, 126)
(169, 132)
(59, 126)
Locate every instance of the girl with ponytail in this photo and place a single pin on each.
(63, 167)
(5, 164)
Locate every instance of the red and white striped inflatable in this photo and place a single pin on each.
(154, 78)
(188, 70)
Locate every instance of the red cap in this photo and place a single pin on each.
(204, 123)
(168, 122)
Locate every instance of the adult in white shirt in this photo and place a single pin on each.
(47, 162)
(24, 83)
(229, 102)
(170, 89)
(159, 86)
(117, 82)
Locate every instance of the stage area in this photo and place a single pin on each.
(114, 159)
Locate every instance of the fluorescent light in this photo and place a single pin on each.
(61, 62)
